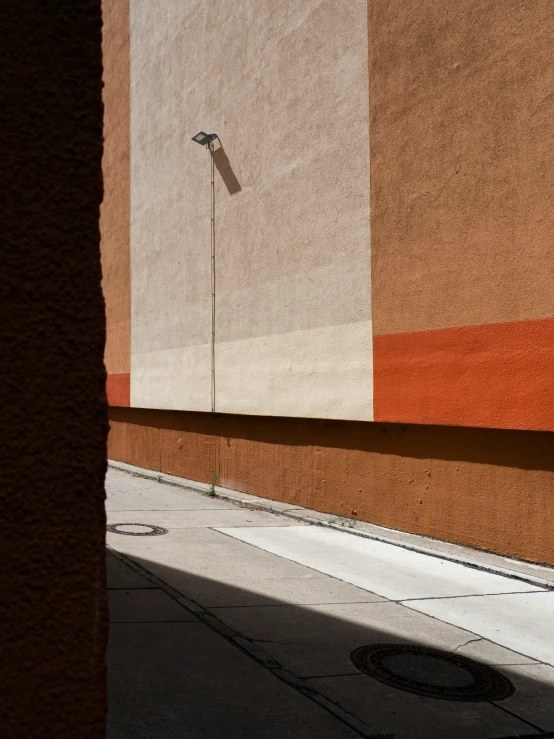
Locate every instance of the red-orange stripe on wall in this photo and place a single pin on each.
(118, 389)
(499, 375)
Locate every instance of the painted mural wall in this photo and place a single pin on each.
(427, 301)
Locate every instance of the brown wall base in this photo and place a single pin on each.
(486, 488)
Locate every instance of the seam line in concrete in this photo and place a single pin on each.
(150, 590)
(473, 595)
(515, 715)
(171, 510)
(341, 674)
(301, 605)
(172, 621)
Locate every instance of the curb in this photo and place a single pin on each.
(305, 515)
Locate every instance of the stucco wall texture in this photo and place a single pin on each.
(425, 299)
(285, 88)
(53, 607)
(460, 248)
(485, 488)
(115, 210)
(461, 212)
(462, 153)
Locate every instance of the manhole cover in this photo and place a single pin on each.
(135, 529)
(431, 672)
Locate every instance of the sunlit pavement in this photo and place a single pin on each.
(230, 622)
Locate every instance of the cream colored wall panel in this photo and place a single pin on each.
(170, 231)
(285, 85)
(173, 379)
(299, 374)
(293, 247)
(276, 302)
(303, 257)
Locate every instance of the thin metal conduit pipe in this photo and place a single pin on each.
(212, 247)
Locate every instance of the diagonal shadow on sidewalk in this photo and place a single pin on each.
(195, 657)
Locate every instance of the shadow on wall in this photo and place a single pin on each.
(528, 450)
(223, 166)
(166, 673)
(401, 477)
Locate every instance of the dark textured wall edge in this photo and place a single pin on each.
(52, 333)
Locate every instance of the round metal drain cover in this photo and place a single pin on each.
(115, 528)
(432, 673)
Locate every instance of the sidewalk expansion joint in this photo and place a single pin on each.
(525, 721)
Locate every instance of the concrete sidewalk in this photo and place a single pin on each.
(241, 623)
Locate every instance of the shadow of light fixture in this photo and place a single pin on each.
(223, 166)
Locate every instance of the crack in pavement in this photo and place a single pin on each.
(469, 641)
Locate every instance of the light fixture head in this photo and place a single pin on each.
(204, 139)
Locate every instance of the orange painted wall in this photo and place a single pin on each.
(115, 210)
(462, 162)
(462, 184)
(485, 488)
(500, 375)
(118, 389)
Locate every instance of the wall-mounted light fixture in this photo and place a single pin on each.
(204, 139)
(207, 140)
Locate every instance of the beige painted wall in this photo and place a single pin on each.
(285, 85)
(170, 236)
